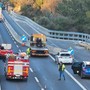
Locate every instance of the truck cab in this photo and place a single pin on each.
(81, 68)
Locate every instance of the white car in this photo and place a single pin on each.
(64, 57)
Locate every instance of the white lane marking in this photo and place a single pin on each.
(23, 29)
(17, 19)
(65, 70)
(31, 70)
(17, 46)
(76, 80)
(32, 28)
(45, 86)
(19, 50)
(36, 79)
(27, 24)
(36, 30)
(39, 32)
(52, 43)
(13, 39)
(20, 27)
(15, 42)
(14, 18)
(42, 88)
(0, 87)
(52, 57)
(72, 77)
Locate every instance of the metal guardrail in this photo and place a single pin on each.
(31, 23)
(52, 50)
(12, 31)
(53, 33)
(70, 36)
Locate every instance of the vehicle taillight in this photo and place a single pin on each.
(10, 51)
(46, 51)
(33, 51)
(84, 69)
(25, 70)
(10, 70)
(70, 56)
(10, 67)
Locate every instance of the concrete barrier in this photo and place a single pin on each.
(12, 31)
(53, 50)
(84, 44)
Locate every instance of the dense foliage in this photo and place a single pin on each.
(64, 15)
(79, 13)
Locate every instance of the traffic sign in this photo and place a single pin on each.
(71, 51)
(23, 38)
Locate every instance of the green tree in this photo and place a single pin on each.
(77, 11)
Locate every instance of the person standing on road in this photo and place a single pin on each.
(61, 68)
(28, 51)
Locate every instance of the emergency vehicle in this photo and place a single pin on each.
(17, 66)
(4, 50)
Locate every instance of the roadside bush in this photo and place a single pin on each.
(44, 21)
(51, 26)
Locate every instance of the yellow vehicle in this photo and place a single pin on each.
(38, 45)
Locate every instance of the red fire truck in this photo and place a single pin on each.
(17, 67)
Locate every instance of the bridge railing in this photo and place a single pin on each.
(52, 50)
(54, 33)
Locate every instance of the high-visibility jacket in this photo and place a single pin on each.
(61, 67)
(28, 51)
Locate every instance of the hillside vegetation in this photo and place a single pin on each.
(64, 15)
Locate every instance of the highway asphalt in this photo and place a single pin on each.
(43, 72)
(14, 84)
